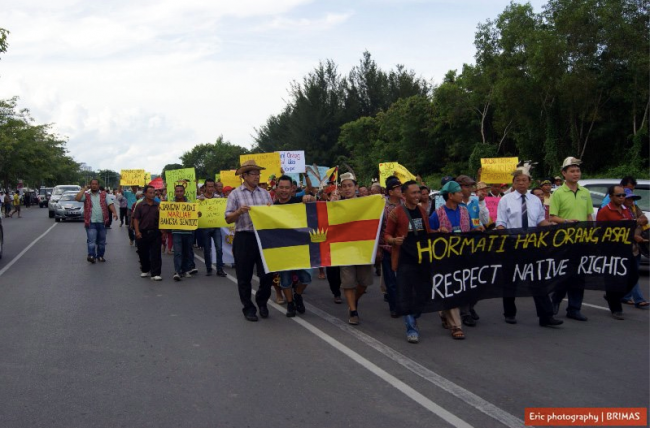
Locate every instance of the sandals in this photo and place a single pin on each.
(457, 333)
(642, 305)
(628, 302)
(445, 324)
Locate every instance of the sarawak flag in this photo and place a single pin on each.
(332, 174)
(304, 236)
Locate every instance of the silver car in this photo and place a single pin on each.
(57, 192)
(67, 208)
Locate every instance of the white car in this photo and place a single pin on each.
(57, 192)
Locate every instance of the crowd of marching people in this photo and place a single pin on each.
(411, 208)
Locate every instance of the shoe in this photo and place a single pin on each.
(576, 316)
(251, 317)
(279, 299)
(300, 305)
(121, 225)
(627, 302)
(412, 338)
(291, 310)
(474, 315)
(144, 274)
(378, 272)
(642, 305)
(91, 259)
(101, 259)
(130, 242)
(618, 316)
(511, 320)
(156, 278)
(550, 322)
(108, 227)
(338, 300)
(393, 314)
(457, 333)
(354, 318)
(187, 275)
(221, 273)
(208, 273)
(469, 321)
(176, 277)
(193, 271)
(556, 308)
(386, 297)
(264, 311)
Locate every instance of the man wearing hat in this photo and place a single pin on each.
(452, 217)
(245, 250)
(571, 203)
(438, 200)
(484, 212)
(354, 279)
(394, 200)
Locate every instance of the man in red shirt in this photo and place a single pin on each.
(615, 211)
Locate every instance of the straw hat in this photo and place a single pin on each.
(249, 165)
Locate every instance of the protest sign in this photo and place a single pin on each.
(147, 177)
(228, 178)
(292, 161)
(390, 169)
(178, 215)
(492, 203)
(132, 177)
(185, 177)
(498, 170)
(270, 161)
(451, 270)
(212, 213)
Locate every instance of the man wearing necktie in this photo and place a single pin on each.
(519, 210)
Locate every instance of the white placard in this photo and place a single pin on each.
(293, 162)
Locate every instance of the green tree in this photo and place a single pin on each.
(209, 159)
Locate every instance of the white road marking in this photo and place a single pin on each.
(22, 253)
(468, 397)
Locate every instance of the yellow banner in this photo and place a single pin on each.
(147, 177)
(178, 216)
(270, 161)
(390, 169)
(132, 177)
(185, 177)
(498, 170)
(212, 213)
(228, 178)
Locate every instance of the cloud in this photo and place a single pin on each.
(284, 23)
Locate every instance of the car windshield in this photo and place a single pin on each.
(61, 190)
(67, 198)
(644, 202)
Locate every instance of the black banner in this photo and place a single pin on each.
(460, 268)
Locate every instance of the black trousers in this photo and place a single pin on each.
(247, 256)
(122, 215)
(149, 252)
(543, 306)
(334, 278)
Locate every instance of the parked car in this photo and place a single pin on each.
(57, 192)
(44, 194)
(68, 208)
(598, 190)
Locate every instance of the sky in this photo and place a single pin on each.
(135, 84)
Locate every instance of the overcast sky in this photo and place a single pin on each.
(134, 84)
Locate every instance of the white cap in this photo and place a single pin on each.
(348, 176)
(571, 161)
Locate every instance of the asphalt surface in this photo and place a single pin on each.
(86, 345)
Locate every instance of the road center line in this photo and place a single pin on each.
(22, 253)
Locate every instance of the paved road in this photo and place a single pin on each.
(97, 346)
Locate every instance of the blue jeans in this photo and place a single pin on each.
(575, 297)
(96, 239)
(206, 238)
(411, 322)
(183, 254)
(390, 279)
(303, 277)
(635, 294)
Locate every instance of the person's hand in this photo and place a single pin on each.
(243, 209)
(115, 217)
(443, 229)
(138, 235)
(335, 196)
(399, 240)
(308, 198)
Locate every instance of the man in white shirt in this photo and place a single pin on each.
(522, 210)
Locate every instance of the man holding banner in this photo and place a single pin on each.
(147, 235)
(182, 241)
(212, 234)
(521, 209)
(245, 249)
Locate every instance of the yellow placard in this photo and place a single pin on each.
(270, 161)
(212, 213)
(178, 216)
(185, 177)
(132, 177)
(498, 170)
(147, 177)
(393, 169)
(228, 178)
